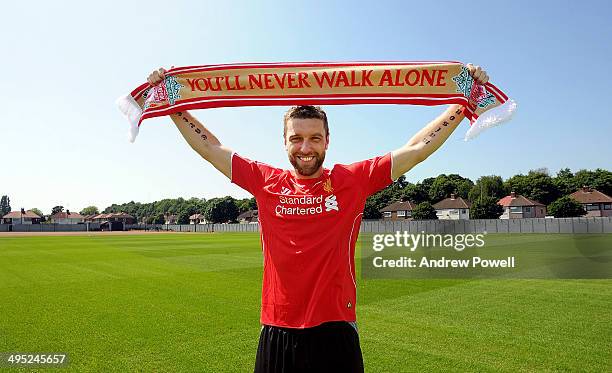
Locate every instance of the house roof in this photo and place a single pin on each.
(248, 214)
(590, 195)
(120, 215)
(65, 215)
(452, 203)
(398, 206)
(18, 215)
(517, 200)
(197, 216)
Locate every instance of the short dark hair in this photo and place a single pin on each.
(305, 112)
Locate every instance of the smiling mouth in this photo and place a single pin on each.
(306, 159)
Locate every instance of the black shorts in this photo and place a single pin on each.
(329, 347)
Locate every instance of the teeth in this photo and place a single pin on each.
(306, 159)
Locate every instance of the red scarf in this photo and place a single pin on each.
(319, 83)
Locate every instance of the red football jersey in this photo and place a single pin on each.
(308, 232)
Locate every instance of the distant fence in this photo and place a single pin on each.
(195, 227)
(533, 225)
(170, 227)
(49, 227)
(540, 225)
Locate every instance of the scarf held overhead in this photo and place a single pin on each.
(319, 83)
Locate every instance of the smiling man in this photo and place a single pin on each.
(306, 140)
(309, 221)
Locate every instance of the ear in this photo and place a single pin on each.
(326, 141)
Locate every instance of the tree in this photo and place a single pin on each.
(186, 208)
(486, 208)
(463, 188)
(159, 219)
(566, 207)
(424, 211)
(463, 185)
(246, 204)
(183, 217)
(441, 188)
(565, 182)
(426, 183)
(536, 185)
(5, 205)
(383, 198)
(599, 179)
(444, 185)
(488, 186)
(371, 209)
(57, 209)
(90, 210)
(400, 183)
(221, 210)
(37, 212)
(416, 193)
(373, 204)
(149, 212)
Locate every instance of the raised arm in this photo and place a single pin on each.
(197, 136)
(433, 135)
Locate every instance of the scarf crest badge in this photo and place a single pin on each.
(169, 91)
(476, 93)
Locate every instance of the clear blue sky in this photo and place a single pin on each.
(64, 63)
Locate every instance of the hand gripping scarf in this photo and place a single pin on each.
(319, 83)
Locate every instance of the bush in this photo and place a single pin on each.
(221, 210)
(566, 207)
(424, 211)
(486, 208)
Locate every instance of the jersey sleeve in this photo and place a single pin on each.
(373, 174)
(250, 175)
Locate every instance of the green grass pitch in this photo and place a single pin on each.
(190, 302)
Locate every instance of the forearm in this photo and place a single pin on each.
(194, 132)
(426, 141)
(436, 132)
(203, 141)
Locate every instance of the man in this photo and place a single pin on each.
(309, 221)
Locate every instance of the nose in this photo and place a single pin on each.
(305, 147)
